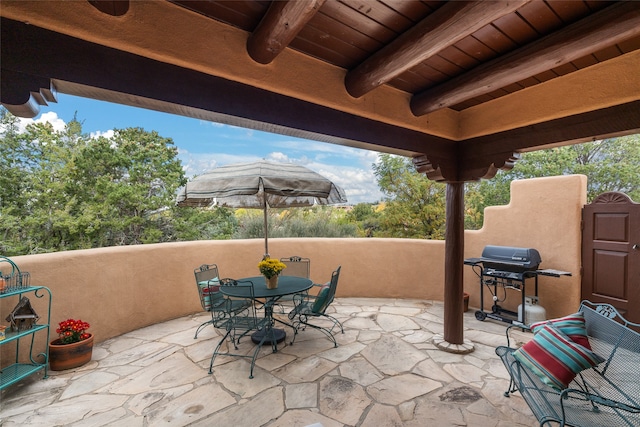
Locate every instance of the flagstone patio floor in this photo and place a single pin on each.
(386, 371)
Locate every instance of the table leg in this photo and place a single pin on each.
(269, 334)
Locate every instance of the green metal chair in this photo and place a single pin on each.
(296, 266)
(311, 310)
(211, 300)
(239, 323)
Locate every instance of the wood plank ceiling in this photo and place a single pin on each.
(418, 46)
(460, 86)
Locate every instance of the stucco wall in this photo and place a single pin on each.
(120, 289)
(545, 214)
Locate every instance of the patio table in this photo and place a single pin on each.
(287, 285)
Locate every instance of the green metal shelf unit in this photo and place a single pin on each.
(16, 284)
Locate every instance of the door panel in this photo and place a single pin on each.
(611, 253)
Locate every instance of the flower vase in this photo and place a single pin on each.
(68, 356)
(272, 282)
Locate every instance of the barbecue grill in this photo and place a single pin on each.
(506, 267)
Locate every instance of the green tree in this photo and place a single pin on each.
(415, 205)
(217, 223)
(366, 217)
(33, 215)
(64, 190)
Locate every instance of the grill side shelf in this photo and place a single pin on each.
(553, 273)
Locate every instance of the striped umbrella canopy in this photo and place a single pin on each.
(260, 185)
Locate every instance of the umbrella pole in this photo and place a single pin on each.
(266, 231)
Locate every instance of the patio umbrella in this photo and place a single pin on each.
(260, 185)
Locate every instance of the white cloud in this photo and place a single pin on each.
(360, 184)
(278, 157)
(108, 134)
(50, 116)
(208, 123)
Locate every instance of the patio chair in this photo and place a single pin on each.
(311, 310)
(296, 266)
(239, 323)
(211, 299)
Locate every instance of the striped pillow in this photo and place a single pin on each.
(573, 326)
(555, 358)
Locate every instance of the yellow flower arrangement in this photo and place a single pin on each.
(270, 267)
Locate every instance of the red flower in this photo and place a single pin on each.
(71, 331)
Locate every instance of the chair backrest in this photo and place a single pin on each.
(248, 296)
(613, 335)
(296, 266)
(327, 293)
(207, 288)
(206, 272)
(243, 283)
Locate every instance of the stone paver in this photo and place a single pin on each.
(386, 371)
(301, 395)
(401, 388)
(343, 399)
(391, 355)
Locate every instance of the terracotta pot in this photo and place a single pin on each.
(272, 282)
(68, 356)
(465, 297)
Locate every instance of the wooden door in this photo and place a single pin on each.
(611, 253)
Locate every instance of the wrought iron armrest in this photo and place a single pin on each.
(301, 303)
(522, 326)
(303, 298)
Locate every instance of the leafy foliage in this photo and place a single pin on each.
(295, 222)
(367, 218)
(65, 190)
(415, 205)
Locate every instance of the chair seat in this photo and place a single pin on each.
(309, 307)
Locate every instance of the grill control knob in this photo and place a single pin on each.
(635, 247)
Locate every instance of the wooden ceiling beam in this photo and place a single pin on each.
(111, 7)
(279, 26)
(446, 26)
(614, 24)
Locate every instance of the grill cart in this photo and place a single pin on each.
(505, 267)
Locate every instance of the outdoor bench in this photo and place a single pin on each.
(607, 394)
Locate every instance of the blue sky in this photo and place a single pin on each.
(204, 145)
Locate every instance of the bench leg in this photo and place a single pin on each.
(512, 388)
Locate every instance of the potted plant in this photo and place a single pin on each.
(270, 269)
(73, 347)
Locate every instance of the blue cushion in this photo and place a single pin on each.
(321, 299)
